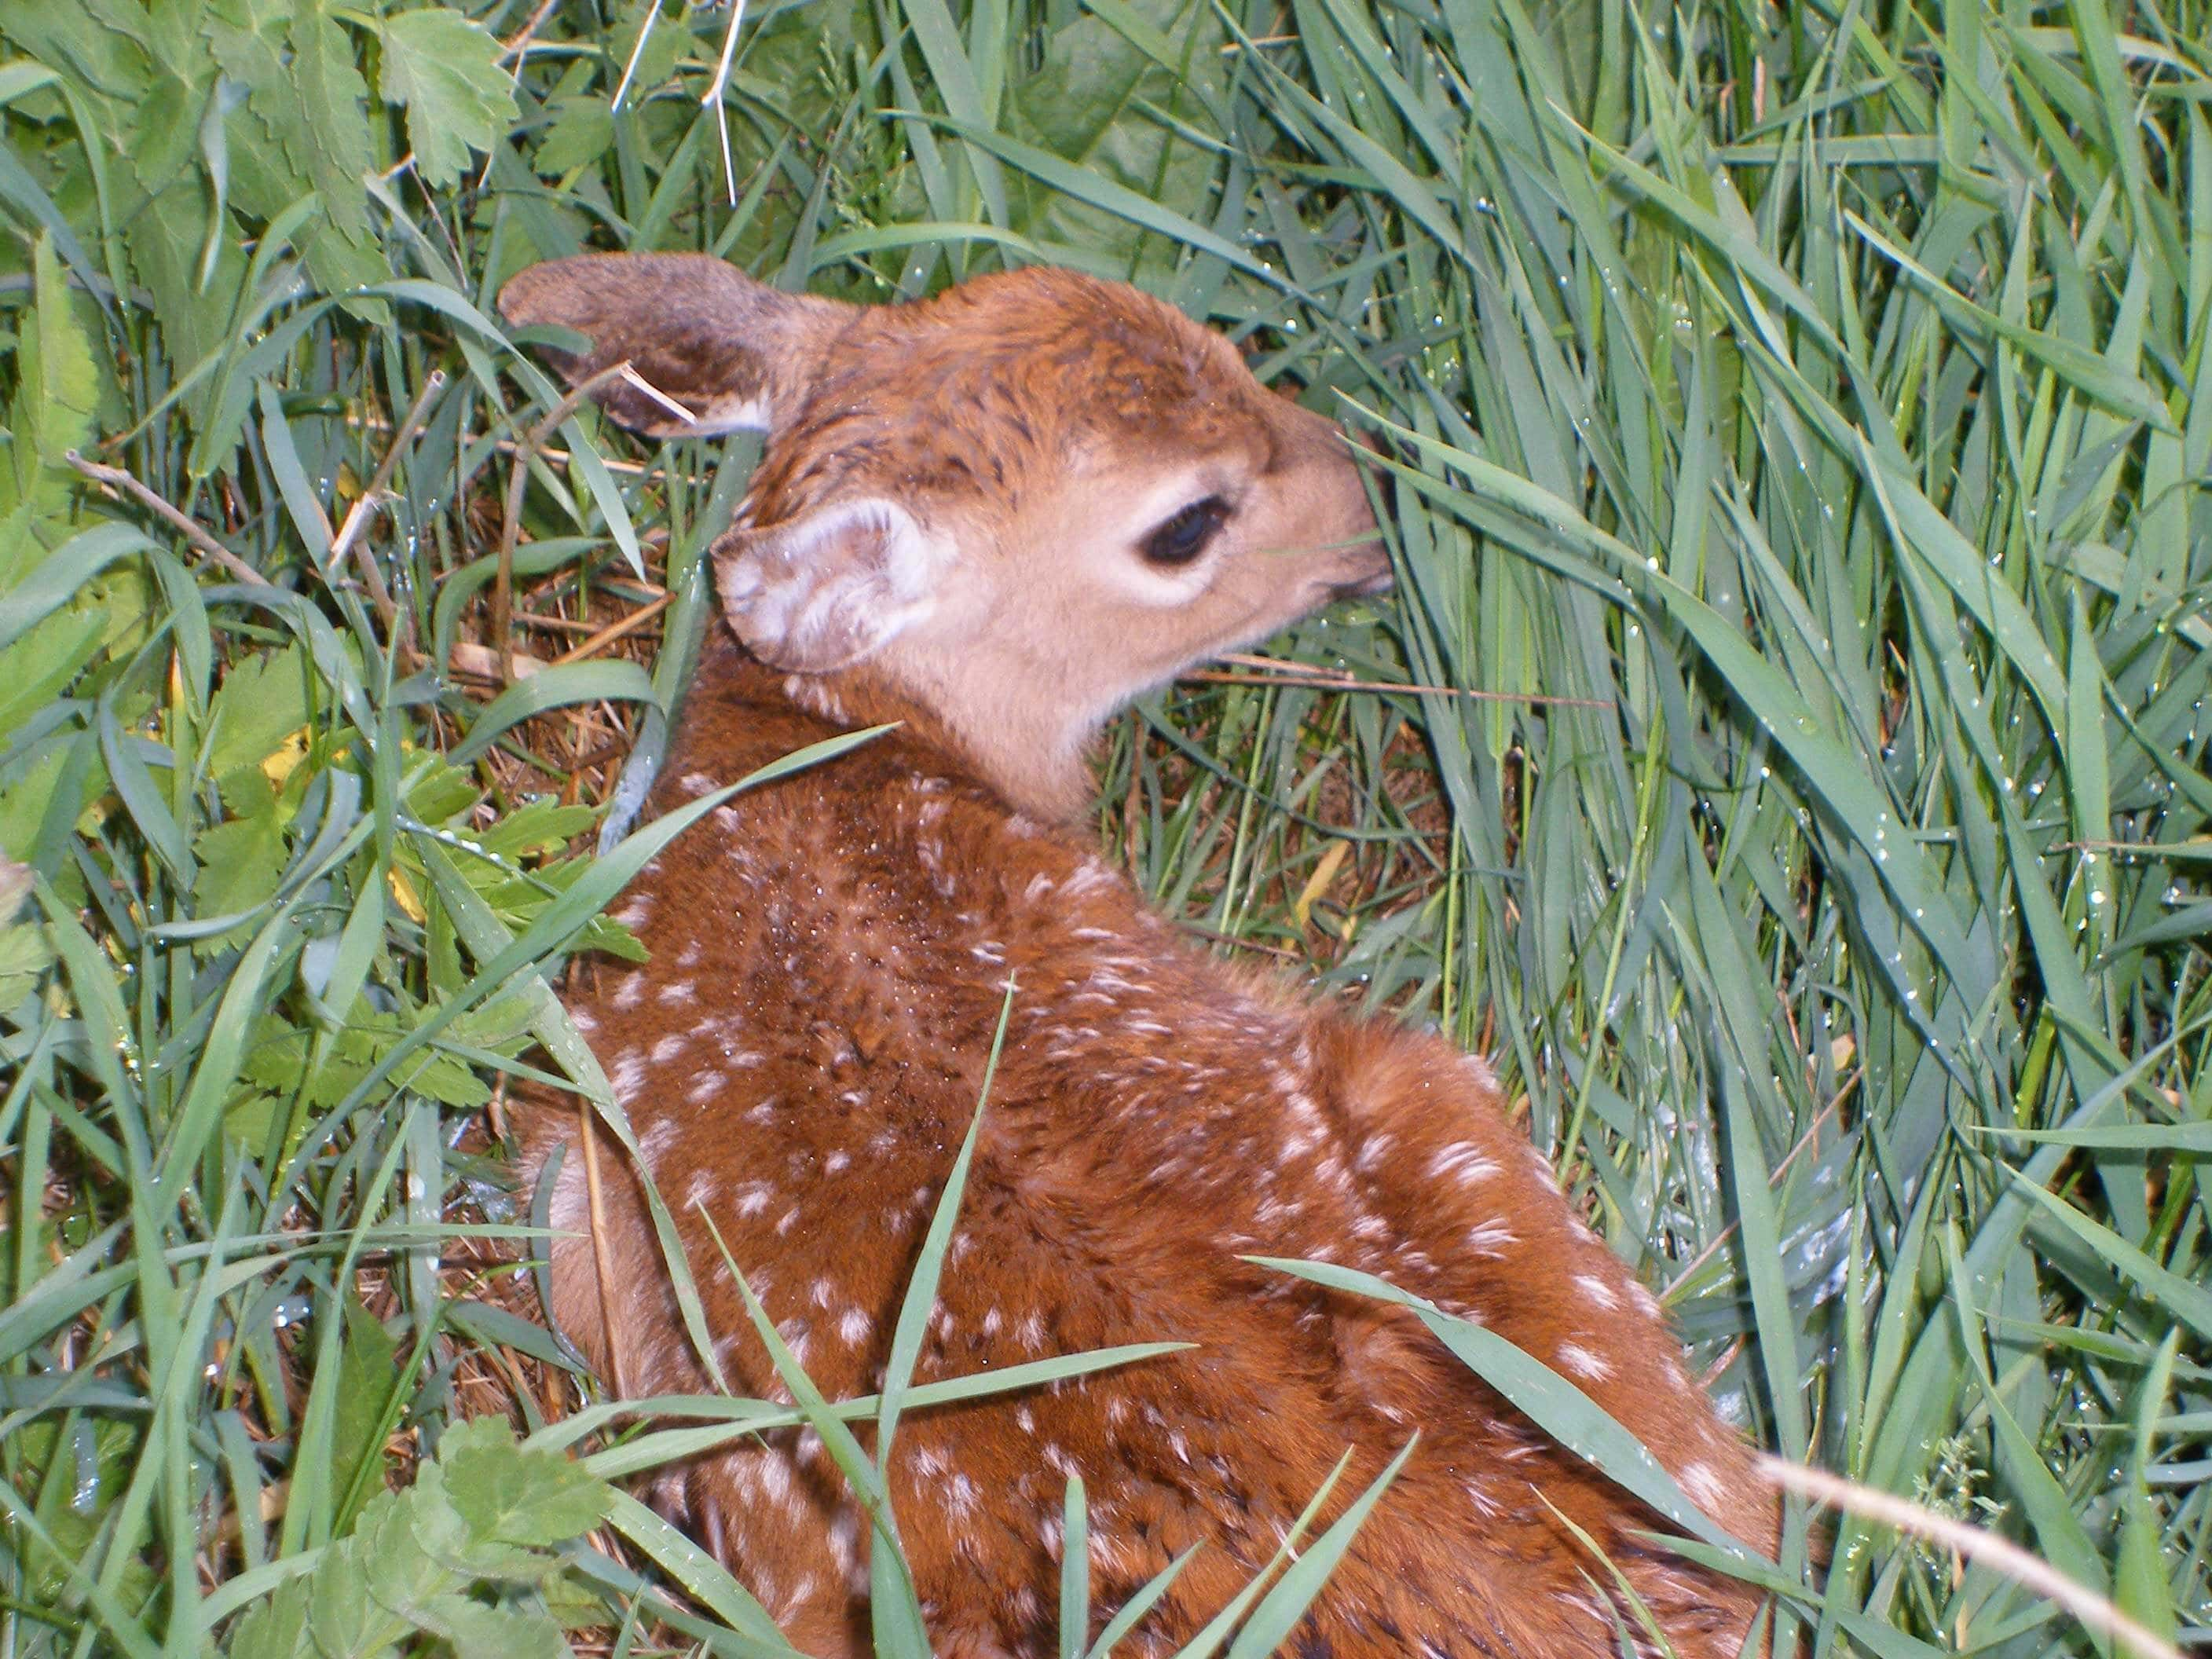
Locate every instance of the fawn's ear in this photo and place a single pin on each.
(724, 353)
(830, 587)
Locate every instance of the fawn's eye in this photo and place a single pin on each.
(1184, 537)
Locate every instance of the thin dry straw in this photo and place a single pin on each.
(714, 98)
(1276, 671)
(115, 477)
(632, 377)
(636, 51)
(2092, 1609)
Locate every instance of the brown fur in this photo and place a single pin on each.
(805, 1051)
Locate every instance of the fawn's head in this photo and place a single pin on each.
(1016, 505)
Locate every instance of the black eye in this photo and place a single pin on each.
(1184, 537)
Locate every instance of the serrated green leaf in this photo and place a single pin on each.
(275, 1628)
(327, 135)
(25, 956)
(583, 128)
(343, 1617)
(477, 1631)
(162, 240)
(443, 68)
(263, 700)
(543, 826)
(244, 859)
(518, 1496)
(385, 1536)
(460, 1549)
(58, 391)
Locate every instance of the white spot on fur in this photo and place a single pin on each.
(668, 1048)
(1583, 1363)
(676, 991)
(1089, 877)
(1699, 1480)
(1597, 1290)
(853, 1325)
(1464, 1162)
(627, 1075)
(774, 1477)
(1491, 1239)
(630, 992)
(845, 1549)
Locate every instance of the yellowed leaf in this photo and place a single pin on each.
(404, 896)
(278, 766)
(1317, 884)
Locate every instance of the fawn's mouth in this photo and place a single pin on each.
(1365, 588)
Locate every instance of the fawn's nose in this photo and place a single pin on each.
(1341, 519)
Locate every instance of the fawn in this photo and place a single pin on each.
(995, 517)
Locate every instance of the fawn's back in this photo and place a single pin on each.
(993, 517)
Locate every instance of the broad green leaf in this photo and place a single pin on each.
(1089, 104)
(515, 1495)
(367, 1364)
(444, 67)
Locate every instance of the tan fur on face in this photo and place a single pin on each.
(1032, 428)
(944, 532)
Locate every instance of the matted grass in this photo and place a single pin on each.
(1785, 749)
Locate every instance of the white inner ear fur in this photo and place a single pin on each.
(829, 589)
(723, 416)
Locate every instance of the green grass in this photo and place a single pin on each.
(1802, 421)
